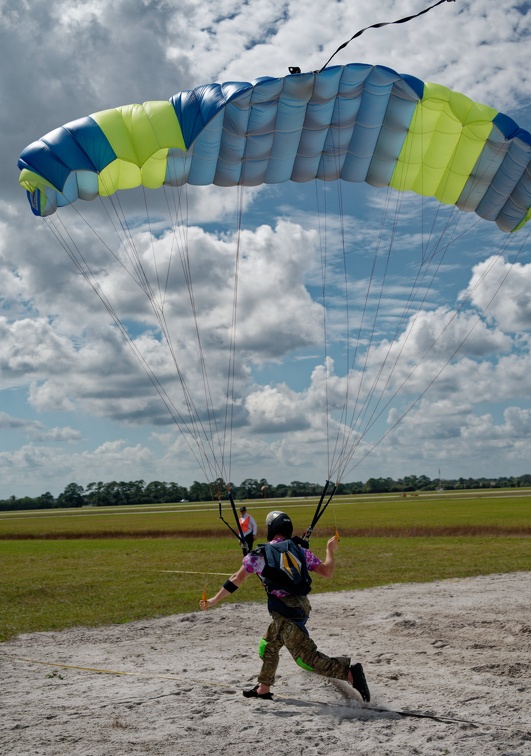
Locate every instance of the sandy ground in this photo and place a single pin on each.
(458, 649)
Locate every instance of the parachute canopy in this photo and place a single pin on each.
(360, 123)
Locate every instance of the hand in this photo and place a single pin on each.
(333, 544)
(204, 604)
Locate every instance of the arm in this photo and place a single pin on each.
(326, 568)
(236, 579)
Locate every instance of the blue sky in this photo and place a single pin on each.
(74, 403)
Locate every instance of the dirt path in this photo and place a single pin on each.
(459, 649)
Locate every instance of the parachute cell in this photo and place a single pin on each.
(359, 123)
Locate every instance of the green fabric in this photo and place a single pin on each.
(262, 647)
(523, 221)
(446, 136)
(140, 135)
(31, 180)
(303, 665)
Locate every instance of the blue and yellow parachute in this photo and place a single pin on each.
(360, 123)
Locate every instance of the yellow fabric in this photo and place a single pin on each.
(445, 138)
(31, 181)
(140, 135)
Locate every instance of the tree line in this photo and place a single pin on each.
(114, 493)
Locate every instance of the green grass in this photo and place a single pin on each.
(358, 515)
(51, 582)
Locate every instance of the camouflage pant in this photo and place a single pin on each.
(287, 632)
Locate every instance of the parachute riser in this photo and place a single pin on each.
(320, 509)
(239, 533)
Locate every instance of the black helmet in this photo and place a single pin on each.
(278, 523)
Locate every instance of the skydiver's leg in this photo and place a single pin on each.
(294, 635)
(285, 632)
(269, 649)
(306, 655)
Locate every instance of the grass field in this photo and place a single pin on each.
(64, 568)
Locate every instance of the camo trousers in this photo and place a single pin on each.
(288, 632)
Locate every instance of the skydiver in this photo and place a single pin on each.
(289, 607)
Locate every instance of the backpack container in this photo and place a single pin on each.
(285, 568)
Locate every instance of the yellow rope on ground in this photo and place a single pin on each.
(187, 572)
(287, 699)
(117, 672)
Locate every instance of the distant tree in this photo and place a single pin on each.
(72, 496)
(200, 492)
(249, 489)
(132, 492)
(95, 494)
(379, 485)
(112, 494)
(297, 488)
(156, 492)
(175, 492)
(46, 501)
(408, 483)
(136, 492)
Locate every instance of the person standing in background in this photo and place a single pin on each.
(248, 526)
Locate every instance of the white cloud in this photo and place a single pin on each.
(74, 360)
(9, 422)
(451, 436)
(503, 290)
(41, 467)
(275, 409)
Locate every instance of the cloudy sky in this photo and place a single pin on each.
(437, 364)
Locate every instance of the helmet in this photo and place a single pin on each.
(278, 523)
